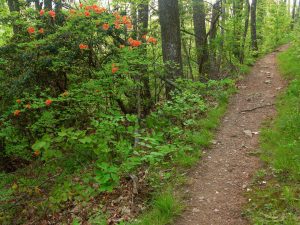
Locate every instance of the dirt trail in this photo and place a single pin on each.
(217, 185)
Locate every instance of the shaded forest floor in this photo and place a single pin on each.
(217, 185)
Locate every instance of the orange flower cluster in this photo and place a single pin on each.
(42, 12)
(122, 20)
(117, 25)
(52, 14)
(83, 46)
(17, 112)
(114, 68)
(134, 43)
(87, 13)
(41, 30)
(37, 153)
(105, 26)
(48, 102)
(94, 7)
(152, 40)
(30, 30)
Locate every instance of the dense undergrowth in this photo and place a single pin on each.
(170, 138)
(275, 198)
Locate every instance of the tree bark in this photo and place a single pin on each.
(247, 12)
(212, 35)
(253, 27)
(171, 42)
(293, 14)
(14, 6)
(143, 18)
(237, 27)
(200, 38)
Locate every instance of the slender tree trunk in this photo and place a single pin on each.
(171, 42)
(200, 37)
(14, 6)
(253, 27)
(142, 20)
(293, 14)
(237, 27)
(212, 35)
(223, 21)
(247, 12)
(133, 15)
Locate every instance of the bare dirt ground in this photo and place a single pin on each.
(217, 185)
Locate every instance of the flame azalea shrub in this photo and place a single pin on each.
(81, 49)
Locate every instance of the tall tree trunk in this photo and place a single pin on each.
(200, 37)
(212, 35)
(143, 18)
(293, 14)
(247, 12)
(223, 21)
(253, 27)
(14, 6)
(133, 15)
(237, 27)
(171, 42)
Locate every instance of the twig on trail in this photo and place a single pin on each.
(258, 107)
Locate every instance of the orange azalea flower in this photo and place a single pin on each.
(95, 7)
(100, 10)
(17, 112)
(130, 40)
(18, 101)
(87, 13)
(42, 12)
(105, 26)
(48, 102)
(88, 7)
(144, 36)
(52, 13)
(30, 30)
(152, 40)
(135, 43)
(117, 25)
(114, 68)
(80, 5)
(129, 26)
(125, 20)
(28, 106)
(83, 46)
(37, 153)
(117, 15)
(41, 30)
